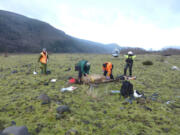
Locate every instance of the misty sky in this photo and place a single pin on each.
(141, 23)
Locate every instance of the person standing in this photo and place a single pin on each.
(43, 59)
(107, 69)
(129, 62)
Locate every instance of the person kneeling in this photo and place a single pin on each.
(107, 69)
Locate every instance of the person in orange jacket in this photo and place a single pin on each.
(107, 69)
(43, 59)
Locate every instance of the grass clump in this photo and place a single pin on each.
(147, 63)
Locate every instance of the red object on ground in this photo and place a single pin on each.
(72, 80)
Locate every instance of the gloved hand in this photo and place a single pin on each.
(107, 77)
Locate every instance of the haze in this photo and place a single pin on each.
(150, 24)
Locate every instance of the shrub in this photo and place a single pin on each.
(147, 62)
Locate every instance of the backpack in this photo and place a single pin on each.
(126, 89)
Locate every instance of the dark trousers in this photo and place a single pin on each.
(128, 65)
(111, 76)
(81, 74)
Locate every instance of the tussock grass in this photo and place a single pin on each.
(148, 62)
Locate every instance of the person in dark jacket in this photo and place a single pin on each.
(83, 69)
(129, 62)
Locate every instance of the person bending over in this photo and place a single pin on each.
(107, 69)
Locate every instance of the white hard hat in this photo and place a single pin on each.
(88, 63)
(130, 53)
(44, 49)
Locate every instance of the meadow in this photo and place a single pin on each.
(94, 111)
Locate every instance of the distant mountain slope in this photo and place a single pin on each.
(22, 34)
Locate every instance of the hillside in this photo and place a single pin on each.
(22, 34)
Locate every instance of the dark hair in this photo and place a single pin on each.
(105, 64)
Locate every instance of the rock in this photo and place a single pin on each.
(122, 108)
(141, 101)
(16, 130)
(27, 65)
(28, 73)
(67, 69)
(166, 130)
(154, 96)
(99, 125)
(85, 121)
(154, 99)
(46, 83)
(62, 109)
(125, 103)
(71, 132)
(44, 98)
(39, 128)
(105, 112)
(58, 102)
(147, 108)
(30, 109)
(48, 72)
(15, 71)
(22, 70)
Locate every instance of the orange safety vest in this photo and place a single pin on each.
(43, 58)
(108, 68)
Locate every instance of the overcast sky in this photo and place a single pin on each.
(141, 23)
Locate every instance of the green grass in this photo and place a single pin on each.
(94, 112)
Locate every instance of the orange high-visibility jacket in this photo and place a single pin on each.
(108, 68)
(43, 58)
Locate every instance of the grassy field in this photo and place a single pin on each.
(95, 112)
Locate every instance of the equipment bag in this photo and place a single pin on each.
(126, 89)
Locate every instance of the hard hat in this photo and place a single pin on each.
(44, 49)
(130, 53)
(88, 63)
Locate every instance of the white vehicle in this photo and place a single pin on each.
(115, 53)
